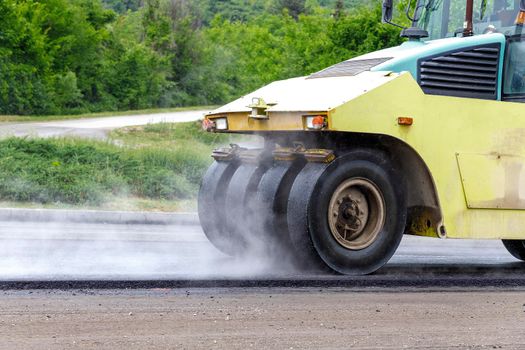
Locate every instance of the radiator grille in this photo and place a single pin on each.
(349, 68)
(466, 73)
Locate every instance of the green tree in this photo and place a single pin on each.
(69, 56)
(339, 9)
(272, 47)
(294, 7)
(122, 6)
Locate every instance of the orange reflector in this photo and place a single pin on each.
(315, 122)
(405, 121)
(521, 18)
(318, 122)
(208, 125)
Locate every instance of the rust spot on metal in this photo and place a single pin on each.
(311, 155)
(422, 222)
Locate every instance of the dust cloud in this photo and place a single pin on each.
(73, 251)
(107, 251)
(70, 250)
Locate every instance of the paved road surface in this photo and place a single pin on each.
(261, 319)
(305, 315)
(98, 251)
(93, 127)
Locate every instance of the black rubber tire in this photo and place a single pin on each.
(211, 204)
(516, 248)
(269, 207)
(238, 215)
(297, 217)
(308, 207)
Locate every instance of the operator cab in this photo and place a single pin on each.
(449, 19)
(446, 18)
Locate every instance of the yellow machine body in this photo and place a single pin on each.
(473, 150)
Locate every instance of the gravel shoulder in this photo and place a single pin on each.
(261, 319)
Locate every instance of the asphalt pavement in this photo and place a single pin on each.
(260, 319)
(93, 127)
(129, 255)
(115, 286)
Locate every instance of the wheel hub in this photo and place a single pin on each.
(356, 213)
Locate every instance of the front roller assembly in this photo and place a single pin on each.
(268, 208)
(243, 203)
(241, 191)
(226, 200)
(348, 215)
(212, 199)
(256, 204)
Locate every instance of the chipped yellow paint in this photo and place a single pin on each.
(445, 127)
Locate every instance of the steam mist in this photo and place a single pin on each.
(99, 251)
(54, 251)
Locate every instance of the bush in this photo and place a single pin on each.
(165, 184)
(57, 171)
(89, 172)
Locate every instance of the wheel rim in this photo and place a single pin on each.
(356, 213)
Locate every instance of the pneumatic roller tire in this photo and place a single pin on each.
(269, 207)
(516, 248)
(240, 192)
(349, 214)
(297, 220)
(211, 204)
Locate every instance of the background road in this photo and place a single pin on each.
(94, 127)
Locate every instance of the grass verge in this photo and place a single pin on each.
(153, 167)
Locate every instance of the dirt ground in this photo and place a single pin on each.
(261, 319)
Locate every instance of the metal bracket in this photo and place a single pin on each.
(227, 153)
(311, 155)
(259, 108)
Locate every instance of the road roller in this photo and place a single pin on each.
(426, 139)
